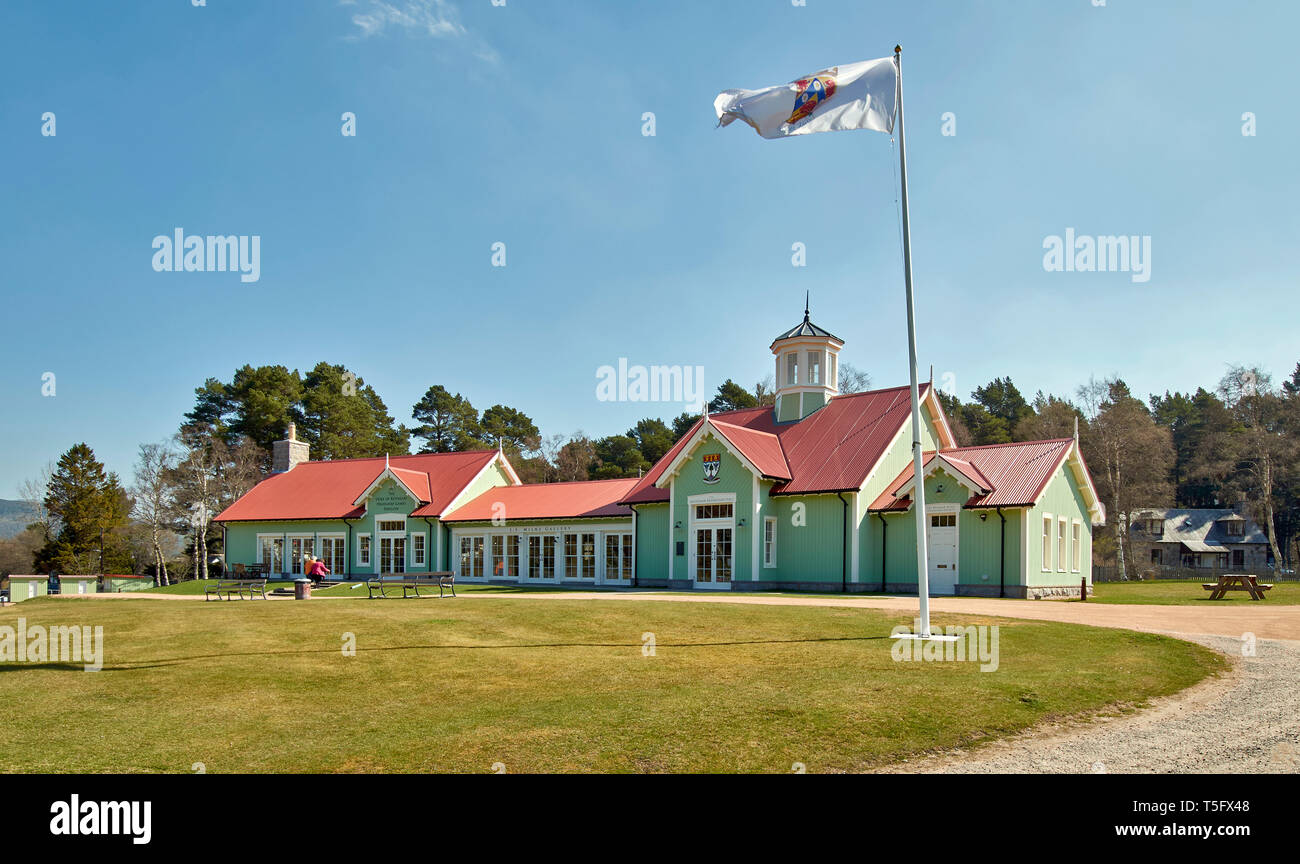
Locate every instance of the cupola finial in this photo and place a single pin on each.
(805, 305)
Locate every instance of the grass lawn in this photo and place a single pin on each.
(1187, 593)
(458, 685)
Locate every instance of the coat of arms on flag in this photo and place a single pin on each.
(811, 93)
(848, 96)
(712, 463)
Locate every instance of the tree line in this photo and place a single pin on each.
(1236, 442)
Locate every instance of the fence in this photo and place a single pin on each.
(1157, 572)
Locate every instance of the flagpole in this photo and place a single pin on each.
(918, 477)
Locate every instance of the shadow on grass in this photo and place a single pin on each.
(176, 661)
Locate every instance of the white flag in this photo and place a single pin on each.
(854, 96)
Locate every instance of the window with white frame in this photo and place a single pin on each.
(1076, 554)
(271, 553)
(570, 556)
(714, 511)
(1060, 545)
(332, 553)
(363, 550)
(769, 541)
(792, 368)
(1047, 541)
(512, 555)
(417, 550)
(814, 367)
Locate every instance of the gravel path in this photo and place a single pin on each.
(1246, 722)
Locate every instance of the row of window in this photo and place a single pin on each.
(1203, 559)
(1068, 545)
(542, 556)
(813, 371)
(393, 552)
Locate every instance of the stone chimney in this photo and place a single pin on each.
(289, 452)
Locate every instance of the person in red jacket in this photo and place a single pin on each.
(317, 570)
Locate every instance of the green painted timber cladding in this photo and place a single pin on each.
(895, 459)
(810, 532)
(734, 478)
(27, 589)
(114, 586)
(652, 541)
(1061, 498)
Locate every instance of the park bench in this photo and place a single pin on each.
(1236, 582)
(444, 579)
(236, 587)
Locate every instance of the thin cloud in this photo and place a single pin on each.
(435, 18)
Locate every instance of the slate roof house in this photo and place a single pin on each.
(811, 494)
(1216, 539)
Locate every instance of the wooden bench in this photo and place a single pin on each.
(1236, 582)
(236, 587)
(444, 579)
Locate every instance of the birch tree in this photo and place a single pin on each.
(1128, 453)
(1259, 449)
(155, 503)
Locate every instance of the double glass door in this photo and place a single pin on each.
(713, 555)
(392, 555)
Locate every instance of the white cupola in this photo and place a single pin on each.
(807, 369)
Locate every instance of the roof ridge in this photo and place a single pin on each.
(1009, 444)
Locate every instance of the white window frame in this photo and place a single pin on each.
(1076, 546)
(363, 550)
(284, 550)
(814, 361)
(1047, 544)
(1062, 550)
(792, 375)
(769, 549)
(418, 551)
(333, 538)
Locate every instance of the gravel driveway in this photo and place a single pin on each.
(1246, 722)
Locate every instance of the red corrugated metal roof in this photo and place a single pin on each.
(1017, 472)
(583, 498)
(762, 449)
(831, 450)
(327, 490)
(416, 481)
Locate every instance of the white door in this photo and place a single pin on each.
(392, 555)
(941, 547)
(711, 567)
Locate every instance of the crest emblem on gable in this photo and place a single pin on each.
(712, 464)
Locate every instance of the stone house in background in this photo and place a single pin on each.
(1208, 539)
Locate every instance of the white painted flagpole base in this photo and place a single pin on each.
(932, 637)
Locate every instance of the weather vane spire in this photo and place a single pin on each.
(805, 305)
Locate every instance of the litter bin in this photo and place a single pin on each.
(302, 588)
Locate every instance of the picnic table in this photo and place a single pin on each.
(443, 579)
(1236, 582)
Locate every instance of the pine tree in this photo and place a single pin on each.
(92, 509)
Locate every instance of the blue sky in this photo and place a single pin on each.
(522, 124)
